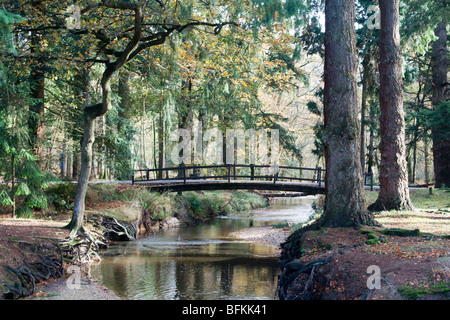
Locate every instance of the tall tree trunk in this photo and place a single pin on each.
(124, 114)
(371, 157)
(441, 144)
(37, 89)
(414, 160)
(425, 148)
(76, 223)
(394, 191)
(83, 93)
(161, 144)
(93, 171)
(344, 204)
(13, 185)
(125, 98)
(363, 110)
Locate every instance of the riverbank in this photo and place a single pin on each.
(28, 241)
(23, 242)
(407, 258)
(88, 289)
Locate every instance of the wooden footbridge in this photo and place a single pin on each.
(308, 181)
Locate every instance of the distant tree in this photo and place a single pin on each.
(393, 177)
(22, 180)
(441, 141)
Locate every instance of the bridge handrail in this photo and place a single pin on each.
(318, 173)
(225, 166)
(274, 177)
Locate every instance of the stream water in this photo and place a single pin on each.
(201, 262)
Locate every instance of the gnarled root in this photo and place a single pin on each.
(82, 248)
(30, 273)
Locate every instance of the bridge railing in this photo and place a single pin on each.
(231, 172)
(236, 172)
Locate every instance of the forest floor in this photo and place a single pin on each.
(338, 264)
(410, 254)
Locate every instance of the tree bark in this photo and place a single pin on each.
(393, 177)
(372, 122)
(365, 76)
(441, 144)
(76, 223)
(344, 206)
(425, 148)
(125, 98)
(161, 144)
(37, 89)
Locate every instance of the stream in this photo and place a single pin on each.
(202, 262)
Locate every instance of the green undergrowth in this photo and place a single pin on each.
(210, 204)
(127, 203)
(415, 292)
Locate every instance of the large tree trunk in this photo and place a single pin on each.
(441, 144)
(344, 206)
(394, 191)
(76, 223)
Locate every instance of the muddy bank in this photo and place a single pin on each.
(85, 289)
(35, 254)
(349, 264)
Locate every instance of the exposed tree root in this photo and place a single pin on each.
(80, 249)
(29, 274)
(290, 273)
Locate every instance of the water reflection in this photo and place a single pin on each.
(201, 262)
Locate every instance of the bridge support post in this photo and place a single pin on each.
(229, 173)
(319, 176)
(371, 181)
(252, 172)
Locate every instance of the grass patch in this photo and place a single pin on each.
(281, 225)
(440, 198)
(415, 292)
(421, 199)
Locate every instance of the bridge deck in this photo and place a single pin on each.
(195, 185)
